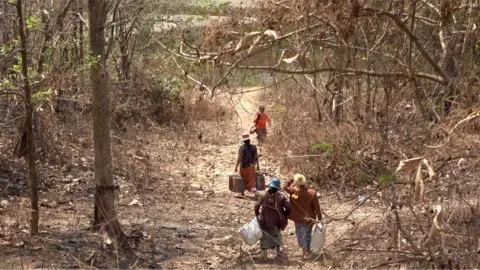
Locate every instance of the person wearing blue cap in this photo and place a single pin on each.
(272, 210)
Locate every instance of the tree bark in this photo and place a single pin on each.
(105, 217)
(80, 33)
(32, 171)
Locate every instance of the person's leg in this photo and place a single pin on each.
(279, 243)
(252, 180)
(243, 174)
(248, 175)
(300, 231)
(260, 137)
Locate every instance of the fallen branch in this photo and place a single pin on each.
(304, 156)
(11, 121)
(470, 117)
(346, 217)
(451, 158)
(407, 259)
(380, 251)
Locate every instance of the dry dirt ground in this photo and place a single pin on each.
(178, 211)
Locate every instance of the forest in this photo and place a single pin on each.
(121, 122)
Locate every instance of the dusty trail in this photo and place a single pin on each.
(180, 206)
(217, 161)
(245, 106)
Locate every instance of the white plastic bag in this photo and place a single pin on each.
(318, 237)
(251, 232)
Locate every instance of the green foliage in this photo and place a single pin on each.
(5, 49)
(92, 60)
(8, 48)
(387, 179)
(33, 22)
(224, 6)
(361, 179)
(17, 68)
(189, 21)
(322, 146)
(6, 84)
(41, 96)
(166, 88)
(206, 3)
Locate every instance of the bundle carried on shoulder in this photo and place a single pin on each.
(251, 232)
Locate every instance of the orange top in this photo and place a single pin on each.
(261, 120)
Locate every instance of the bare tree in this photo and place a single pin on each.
(30, 140)
(105, 217)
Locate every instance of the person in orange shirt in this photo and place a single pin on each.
(260, 125)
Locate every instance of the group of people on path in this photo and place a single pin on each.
(273, 209)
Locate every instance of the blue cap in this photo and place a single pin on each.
(275, 183)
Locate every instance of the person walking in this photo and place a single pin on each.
(305, 209)
(248, 158)
(260, 124)
(272, 210)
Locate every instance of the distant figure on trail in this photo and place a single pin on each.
(305, 209)
(260, 124)
(248, 158)
(272, 210)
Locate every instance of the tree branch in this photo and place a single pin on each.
(13, 93)
(9, 2)
(346, 71)
(472, 116)
(395, 18)
(210, 92)
(11, 121)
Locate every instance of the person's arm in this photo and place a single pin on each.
(256, 208)
(288, 187)
(286, 206)
(239, 158)
(255, 120)
(255, 154)
(316, 206)
(269, 120)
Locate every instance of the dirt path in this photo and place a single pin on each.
(180, 207)
(214, 162)
(224, 152)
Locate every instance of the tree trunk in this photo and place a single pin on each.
(105, 217)
(339, 97)
(80, 32)
(315, 86)
(32, 171)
